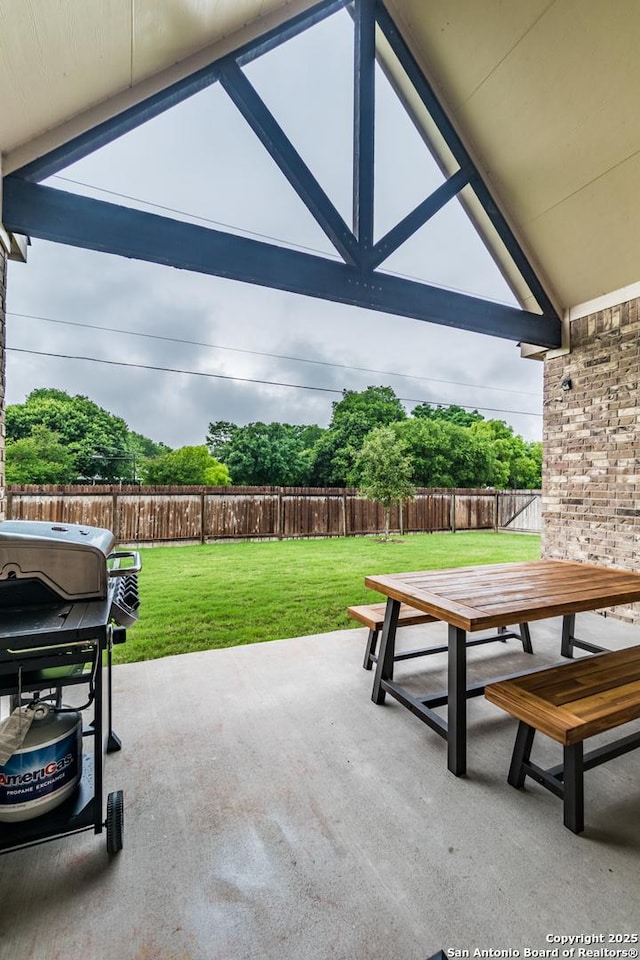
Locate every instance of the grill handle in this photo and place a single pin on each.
(117, 570)
(89, 645)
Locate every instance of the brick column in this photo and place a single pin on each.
(591, 469)
(3, 367)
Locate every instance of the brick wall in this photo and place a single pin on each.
(591, 476)
(3, 366)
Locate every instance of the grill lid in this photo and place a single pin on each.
(43, 562)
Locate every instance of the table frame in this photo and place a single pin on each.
(454, 729)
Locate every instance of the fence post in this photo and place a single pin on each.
(279, 515)
(9, 505)
(116, 516)
(401, 504)
(452, 511)
(344, 514)
(496, 525)
(202, 516)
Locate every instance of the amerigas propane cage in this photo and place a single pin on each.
(66, 596)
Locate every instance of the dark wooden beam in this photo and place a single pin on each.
(55, 215)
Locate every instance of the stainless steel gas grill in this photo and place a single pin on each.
(66, 596)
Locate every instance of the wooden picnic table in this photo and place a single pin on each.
(469, 599)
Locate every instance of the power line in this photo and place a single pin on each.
(271, 383)
(195, 216)
(276, 356)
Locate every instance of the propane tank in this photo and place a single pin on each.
(46, 769)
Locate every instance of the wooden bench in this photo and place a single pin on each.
(570, 703)
(372, 616)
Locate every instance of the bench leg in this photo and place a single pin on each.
(370, 649)
(521, 754)
(573, 797)
(525, 636)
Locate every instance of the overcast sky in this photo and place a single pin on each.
(202, 159)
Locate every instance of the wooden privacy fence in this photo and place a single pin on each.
(170, 514)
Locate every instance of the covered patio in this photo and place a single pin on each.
(273, 811)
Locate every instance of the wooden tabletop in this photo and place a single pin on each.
(496, 595)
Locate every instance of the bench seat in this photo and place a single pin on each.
(372, 616)
(570, 703)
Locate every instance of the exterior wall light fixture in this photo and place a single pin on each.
(566, 384)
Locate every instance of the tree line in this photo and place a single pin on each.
(445, 446)
(55, 438)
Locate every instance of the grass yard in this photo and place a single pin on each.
(224, 594)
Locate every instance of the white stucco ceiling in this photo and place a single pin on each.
(543, 93)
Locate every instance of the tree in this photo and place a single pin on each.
(144, 447)
(38, 458)
(356, 415)
(187, 466)
(221, 432)
(446, 455)
(453, 414)
(518, 463)
(449, 446)
(385, 471)
(258, 454)
(100, 444)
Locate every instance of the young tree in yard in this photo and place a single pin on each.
(356, 415)
(385, 471)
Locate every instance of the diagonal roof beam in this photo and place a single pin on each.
(417, 218)
(280, 148)
(104, 133)
(51, 214)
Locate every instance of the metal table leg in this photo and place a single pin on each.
(384, 667)
(525, 636)
(568, 631)
(457, 702)
(570, 642)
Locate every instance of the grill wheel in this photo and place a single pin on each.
(115, 821)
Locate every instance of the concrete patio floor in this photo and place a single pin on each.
(273, 812)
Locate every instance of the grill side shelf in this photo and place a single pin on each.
(22, 627)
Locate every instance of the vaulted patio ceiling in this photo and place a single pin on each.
(539, 95)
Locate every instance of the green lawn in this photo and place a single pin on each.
(224, 594)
